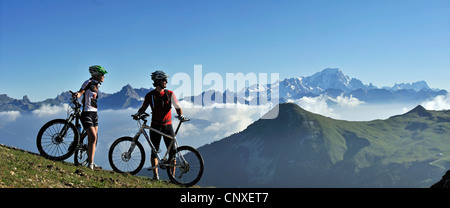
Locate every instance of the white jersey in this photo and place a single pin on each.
(90, 95)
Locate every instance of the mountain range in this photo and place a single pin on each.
(333, 82)
(303, 149)
(330, 82)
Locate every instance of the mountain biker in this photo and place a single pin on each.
(160, 101)
(89, 117)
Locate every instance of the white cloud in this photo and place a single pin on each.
(190, 129)
(345, 101)
(50, 110)
(320, 104)
(8, 116)
(405, 110)
(441, 102)
(221, 120)
(317, 105)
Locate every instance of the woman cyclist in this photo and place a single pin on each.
(89, 117)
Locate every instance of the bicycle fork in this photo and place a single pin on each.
(127, 155)
(133, 144)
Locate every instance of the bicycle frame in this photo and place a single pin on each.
(172, 145)
(75, 116)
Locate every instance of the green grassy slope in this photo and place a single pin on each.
(21, 169)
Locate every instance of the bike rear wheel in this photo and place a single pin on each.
(188, 166)
(57, 139)
(124, 161)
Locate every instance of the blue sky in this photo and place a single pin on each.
(46, 46)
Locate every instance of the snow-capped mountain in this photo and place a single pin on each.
(416, 86)
(333, 82)
(330, 78)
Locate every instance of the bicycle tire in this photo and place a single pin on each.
(53, 147)
(118, 160)
(80, 157)
(195, 167)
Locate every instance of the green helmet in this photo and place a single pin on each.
(97, 70)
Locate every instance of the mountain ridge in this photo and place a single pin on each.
(303, 149)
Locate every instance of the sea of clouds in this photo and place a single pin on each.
(208, 123)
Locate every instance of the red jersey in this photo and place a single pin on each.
(161, 105)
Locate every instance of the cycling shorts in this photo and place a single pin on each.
(89, 119)
(156, 138)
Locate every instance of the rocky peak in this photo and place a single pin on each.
(26, 99)
(129, 91)
(420, 111)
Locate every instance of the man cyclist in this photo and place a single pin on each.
(160, 100)
(89, 117)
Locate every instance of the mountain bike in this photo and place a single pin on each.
(127, 155)
(60, 138)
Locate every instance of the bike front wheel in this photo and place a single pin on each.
(126, 156)
(57, 139)
(80, 156)
(186, 168)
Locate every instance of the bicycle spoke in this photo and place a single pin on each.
(122, 161)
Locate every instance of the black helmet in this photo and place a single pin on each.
(157, 75)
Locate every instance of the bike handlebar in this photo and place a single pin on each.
(182, 119)
(144, 116)
(74, 99)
